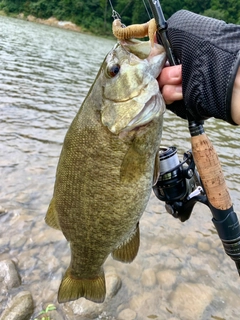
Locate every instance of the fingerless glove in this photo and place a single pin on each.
(209, 51)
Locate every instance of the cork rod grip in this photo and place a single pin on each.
(210, 171)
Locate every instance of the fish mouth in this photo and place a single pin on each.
(152, 109)
(141, 49)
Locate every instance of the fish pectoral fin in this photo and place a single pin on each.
(156, 170)
(128, 250)
(72, 288)
(51, 218)
(131, 166)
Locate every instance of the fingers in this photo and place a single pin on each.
(235, 108)
(171, 75)
(170, 83)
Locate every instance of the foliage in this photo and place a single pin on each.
(96, 15)
(43, 313)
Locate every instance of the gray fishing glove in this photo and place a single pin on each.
(209, 51)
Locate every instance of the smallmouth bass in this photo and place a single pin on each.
(107, 166)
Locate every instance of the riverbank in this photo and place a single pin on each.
(52, 21)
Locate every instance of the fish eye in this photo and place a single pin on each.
(113, 70)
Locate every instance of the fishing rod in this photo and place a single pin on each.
(212, 189)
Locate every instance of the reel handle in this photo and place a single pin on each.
(210, 171)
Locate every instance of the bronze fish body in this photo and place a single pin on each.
(108, 164)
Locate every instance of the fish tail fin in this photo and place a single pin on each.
(72, 288)
(51, 218)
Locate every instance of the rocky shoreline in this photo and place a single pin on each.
(53, 22)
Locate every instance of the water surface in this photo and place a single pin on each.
(45, 73)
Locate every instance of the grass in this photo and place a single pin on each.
(41, 316)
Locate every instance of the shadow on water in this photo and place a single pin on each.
(181, 271)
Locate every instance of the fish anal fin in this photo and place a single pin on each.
(71, 288)
(129, 249)
(51, 218)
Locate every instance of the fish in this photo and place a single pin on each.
(108, 164)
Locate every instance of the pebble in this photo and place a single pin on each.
(148, 278)
(203, 246)
(190, 240)
(134, 271)
(19, 308)
(190, 299)
(127, 314)
(137, 301)
(17, 241)
(9, 274)
(166, 278)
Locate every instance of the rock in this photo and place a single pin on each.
(166, 278)
(2, 211)
(55, 23)
(191, 299)
(139, 300)
(134, 271)
(9, 274)
(148, 278)
(19, 308)
(203, 246)
(91, 310)
(17, 241)
(31, 18)
(190, 239)
(128, 314)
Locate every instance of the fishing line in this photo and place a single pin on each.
(149, 16)
(115, 14)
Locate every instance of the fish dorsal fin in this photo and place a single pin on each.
(72, 288)
(129, 249)
(156, 170)
(51, 218)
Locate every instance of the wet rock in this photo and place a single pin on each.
(19, 308)
(128, 314)
(148, 278)
(203, 246)
(2, 211)
(191, 299)
(17, 241)
(9, 274)
(166, 278)
(134, 271)
(190, 239)
(91, 310)
(139, 300)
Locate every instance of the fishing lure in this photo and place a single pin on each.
(135, 30)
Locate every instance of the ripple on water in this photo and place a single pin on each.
(45, 76)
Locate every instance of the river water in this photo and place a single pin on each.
(181, 271)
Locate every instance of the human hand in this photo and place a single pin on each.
(170, 83)
(208, 50)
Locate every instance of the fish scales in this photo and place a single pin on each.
(106, 169)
